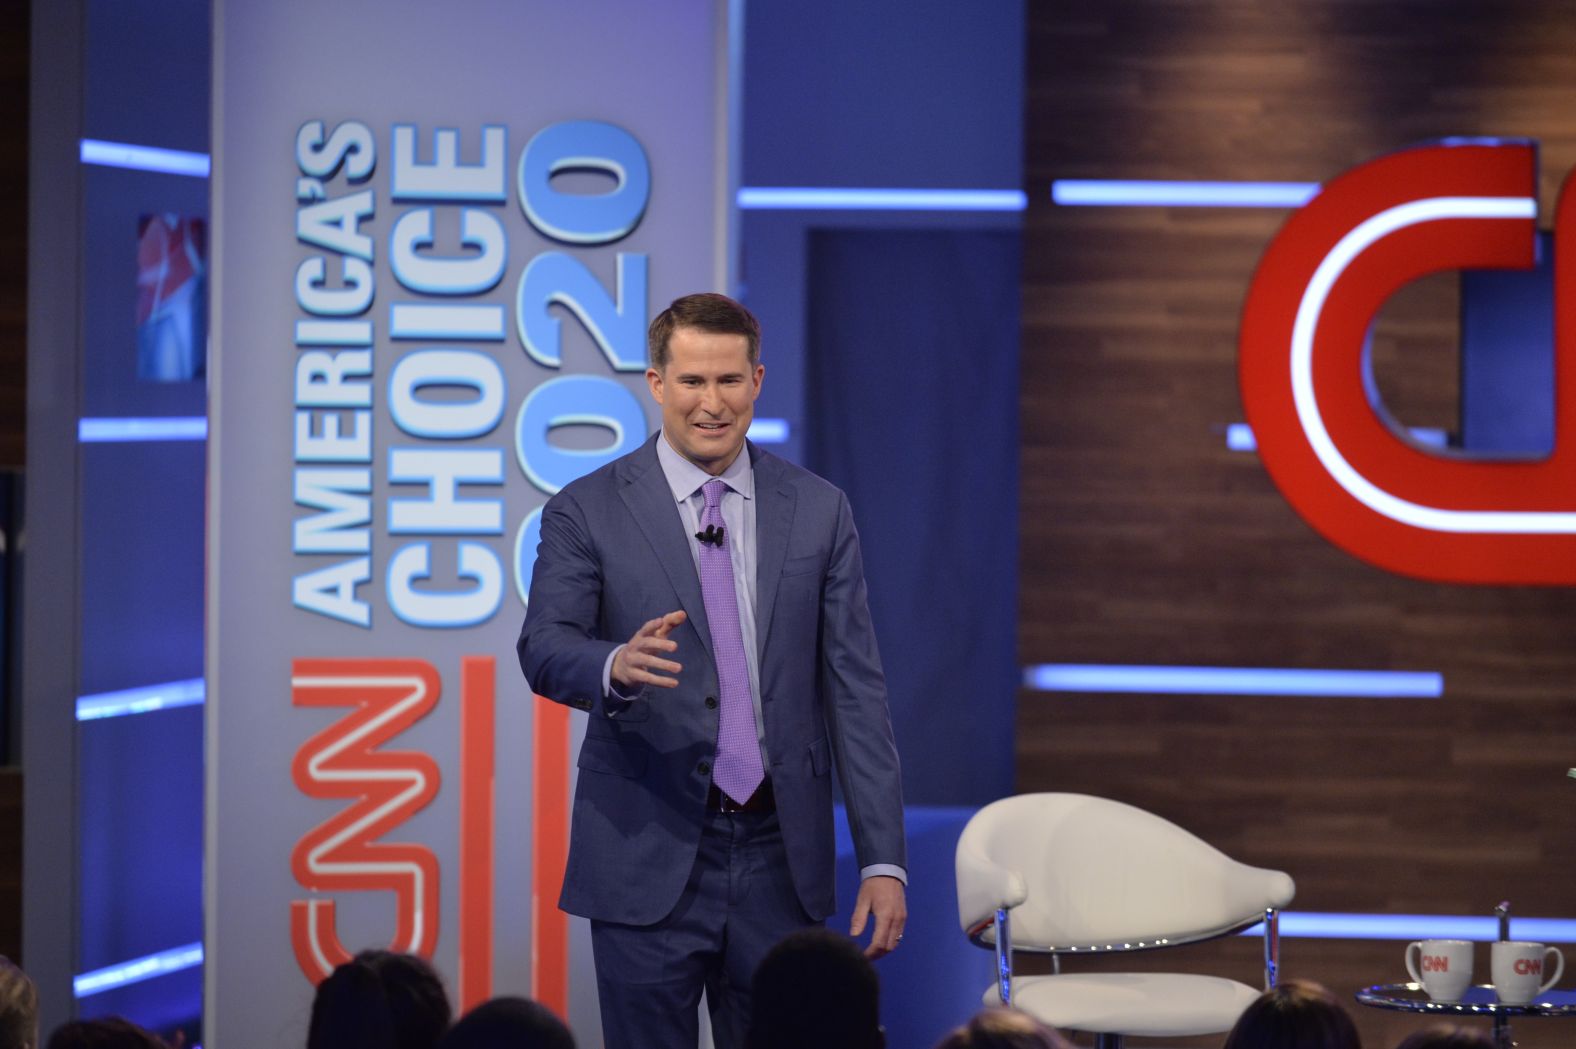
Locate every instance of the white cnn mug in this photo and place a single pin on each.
(1443, 967)
(1518, 969)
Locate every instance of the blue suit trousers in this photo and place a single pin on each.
(738, 902)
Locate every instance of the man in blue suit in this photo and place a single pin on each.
(704, 601)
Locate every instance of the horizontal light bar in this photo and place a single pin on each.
(138, 970)
(145, 158)
(768, 431)
(1149, 193)
(163, 428)
(1239, 437)
(1234, 681)
(145, 700)
(769, 198)
(1314, 925)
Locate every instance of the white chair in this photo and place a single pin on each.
(1073, 874)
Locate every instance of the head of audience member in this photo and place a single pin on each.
(379, 1000)
(18, 1008)
(1003, 1029)
(1298, 1014)
(509, 1023)
(816, 988)
(1447, 1036)
(112, 1032)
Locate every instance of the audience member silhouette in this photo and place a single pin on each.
(18, 1008)
(379, 1000)
(112, 1032)
(815, 990)
(1003, 1029)
(509, 1023)
(1447, 1036)
(1298, 1014)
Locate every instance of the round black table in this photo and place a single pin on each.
(1478, 1001)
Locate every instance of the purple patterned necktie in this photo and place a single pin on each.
(737, 770)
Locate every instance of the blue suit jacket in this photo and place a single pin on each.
(615, 554)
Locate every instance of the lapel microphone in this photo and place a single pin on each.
(712, 535)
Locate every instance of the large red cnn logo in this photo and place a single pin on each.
(356, 850)
(1452, 206)
(346, 761)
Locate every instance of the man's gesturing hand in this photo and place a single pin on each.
(883, 897)
(634, 665)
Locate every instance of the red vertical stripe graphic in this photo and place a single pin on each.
(477, 755)
(549, 853)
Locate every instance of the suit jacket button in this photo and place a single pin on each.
(704, 768)
(711, 702)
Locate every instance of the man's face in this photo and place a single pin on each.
(707, 392)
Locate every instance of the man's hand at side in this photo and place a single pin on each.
(637, 663)
(882, 897)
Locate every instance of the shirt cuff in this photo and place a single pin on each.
(889, 870)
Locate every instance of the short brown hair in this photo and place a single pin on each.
(815, 988)
(379, 999)
(706, 311)
(1298, 1014)
(995, 1028)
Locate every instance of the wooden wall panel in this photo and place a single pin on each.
(1145, 541)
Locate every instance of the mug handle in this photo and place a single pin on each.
(1559, 967)
(1414, 951)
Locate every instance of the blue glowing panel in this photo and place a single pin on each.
(1133, 193)
(834, 199)
(169, 428)
(1234, 681)
(140, 849)
(145, 158)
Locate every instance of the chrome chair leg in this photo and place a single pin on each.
(1271, 948)
(1003, 956)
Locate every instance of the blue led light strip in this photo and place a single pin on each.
(171, 694)
(768, 431)
(1239, 437)
(137, 970)
(805, 198)
(195, 428)
(145, 158)
(1234, 681)
(163, 428)
(1148, 193)
(1315, 925)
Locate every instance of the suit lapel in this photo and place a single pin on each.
(773, 524)
(651, 502)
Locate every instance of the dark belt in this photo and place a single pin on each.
(761, 801)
